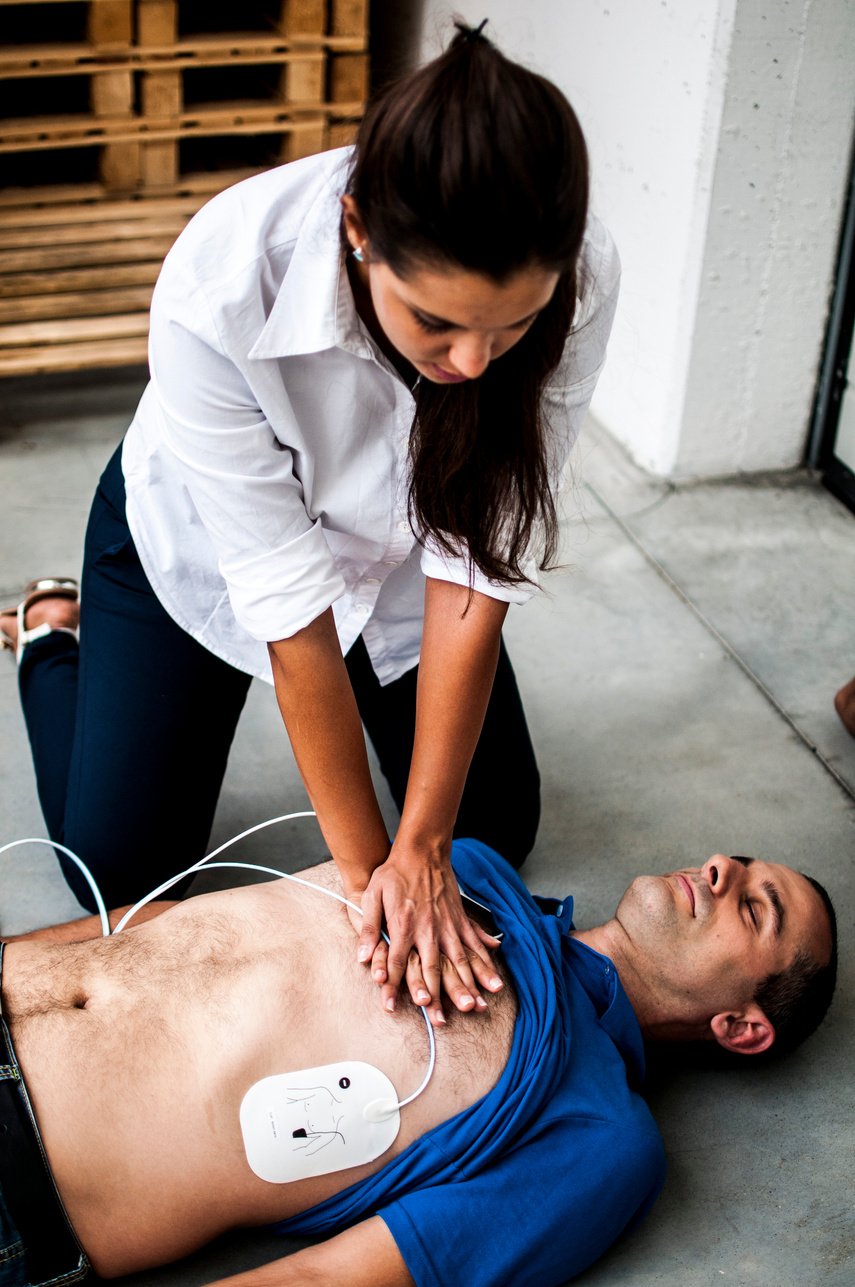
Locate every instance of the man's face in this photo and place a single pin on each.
(704, 938)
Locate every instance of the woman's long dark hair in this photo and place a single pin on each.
(474, 162)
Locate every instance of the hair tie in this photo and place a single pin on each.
(472, 33)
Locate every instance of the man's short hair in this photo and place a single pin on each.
(796, 1000)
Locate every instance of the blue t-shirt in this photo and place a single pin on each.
(534, 1181)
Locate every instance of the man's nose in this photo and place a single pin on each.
(470, 354)
(719, 872)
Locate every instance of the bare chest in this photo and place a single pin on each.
(139, 1055)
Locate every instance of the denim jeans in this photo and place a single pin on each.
(131, 732)
(38, 1247)
(13, 1271)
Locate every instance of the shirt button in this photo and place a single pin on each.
(403, 526)
(362, 609)
(390, 563)
(372, 580)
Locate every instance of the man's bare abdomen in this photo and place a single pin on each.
(138, 1050)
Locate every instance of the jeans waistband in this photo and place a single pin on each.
(53, 1254)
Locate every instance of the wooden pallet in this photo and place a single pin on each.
(140, 116)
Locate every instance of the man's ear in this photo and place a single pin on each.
(353, 226)
(746, 1033)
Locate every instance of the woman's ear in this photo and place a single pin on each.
(747, 1033)
(354, 228)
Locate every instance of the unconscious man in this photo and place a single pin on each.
(131, 1060)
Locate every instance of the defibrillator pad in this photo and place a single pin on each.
(315, 1121)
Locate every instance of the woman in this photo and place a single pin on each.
(367, 371)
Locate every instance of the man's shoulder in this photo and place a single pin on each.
(620, 1123)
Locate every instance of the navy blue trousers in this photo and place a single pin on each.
(131, 732)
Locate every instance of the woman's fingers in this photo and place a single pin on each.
(432, 948)
(480, 960)
(492, 941)
(419, 991)
(372, 916)
(461, 978)
(379, 971)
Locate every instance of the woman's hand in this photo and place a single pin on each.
(433, 945)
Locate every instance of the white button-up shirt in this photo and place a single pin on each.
(267, 464)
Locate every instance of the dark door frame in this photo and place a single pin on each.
(837, 477)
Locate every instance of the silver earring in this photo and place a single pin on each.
(359, 254)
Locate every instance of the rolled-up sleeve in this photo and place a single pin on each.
(241, 478)
(459, 570)
(568, 394)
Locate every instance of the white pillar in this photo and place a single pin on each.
(720, 134)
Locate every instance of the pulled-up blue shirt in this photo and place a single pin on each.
(539, 1177)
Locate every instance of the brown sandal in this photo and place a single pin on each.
(49, 587)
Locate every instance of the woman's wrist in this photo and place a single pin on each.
(427, 847)
(357, 864)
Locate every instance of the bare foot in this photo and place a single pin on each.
(57, 610)
(844, 704)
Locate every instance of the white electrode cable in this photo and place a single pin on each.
(53, 844)
(249, 866)
(173, 880)
(205, 862)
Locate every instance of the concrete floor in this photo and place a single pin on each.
(679, 680)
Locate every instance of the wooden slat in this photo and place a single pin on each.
(73, 357)
(207, 182)
(112, 94)
(116, 230)
(303, 17)
(162, 96)
(48, 258)
(349, 78)
(203, 184)
(341, 133)
(349, 17)
(303, 80)
(166, 209)
(78, 261)
(110, 23)
(119, 165)
(307, 142)
(63, 193)
(73, 330)
(58, 132)
(157, 22)
(15, 285)
(92, 303)
(18, 62)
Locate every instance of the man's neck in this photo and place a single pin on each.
(611, 940)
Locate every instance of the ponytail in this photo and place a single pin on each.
(473, 162)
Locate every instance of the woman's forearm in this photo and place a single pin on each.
(322, 719)
(416, 889)
(460, 649)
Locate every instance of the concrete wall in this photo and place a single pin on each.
(720, 133)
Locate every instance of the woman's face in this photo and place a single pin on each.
(450, 324)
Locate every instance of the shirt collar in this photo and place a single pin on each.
(314, 308)
(599, 978)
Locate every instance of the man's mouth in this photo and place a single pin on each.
(690, 893)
